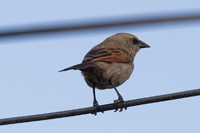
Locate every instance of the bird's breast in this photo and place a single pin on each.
(106, 73)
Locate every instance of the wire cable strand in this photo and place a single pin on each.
(102, 108)
(108, 23)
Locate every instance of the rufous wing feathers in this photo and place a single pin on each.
(109, 55)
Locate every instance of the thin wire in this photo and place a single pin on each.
(111, 22)
(102, 108)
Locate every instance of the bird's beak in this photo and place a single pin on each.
(143, 45)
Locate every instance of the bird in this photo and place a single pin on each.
(110, 63)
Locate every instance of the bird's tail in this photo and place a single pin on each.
(80, 66)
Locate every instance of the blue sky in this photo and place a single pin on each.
(30, 82)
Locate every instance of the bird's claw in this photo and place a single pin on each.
(96, 105)
(119, 100)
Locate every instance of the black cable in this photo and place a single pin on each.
(102, 108)
(111, 22)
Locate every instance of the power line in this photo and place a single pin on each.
(111, 22)
(102, 108)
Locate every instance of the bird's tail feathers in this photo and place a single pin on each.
(80, 66)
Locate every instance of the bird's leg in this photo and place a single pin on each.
(119, 100)
(95, 103)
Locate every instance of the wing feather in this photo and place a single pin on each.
(118, 55)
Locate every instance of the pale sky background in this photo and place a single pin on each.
(30, 83)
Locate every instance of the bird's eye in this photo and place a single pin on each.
(135, 41)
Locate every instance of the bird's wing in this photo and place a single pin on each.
(118, 55)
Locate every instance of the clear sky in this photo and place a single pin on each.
(30, 83)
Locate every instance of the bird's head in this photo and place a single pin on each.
(131, 41)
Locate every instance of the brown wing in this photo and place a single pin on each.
(118, 55)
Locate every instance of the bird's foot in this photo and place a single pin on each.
(119, 100)
(96, 105)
